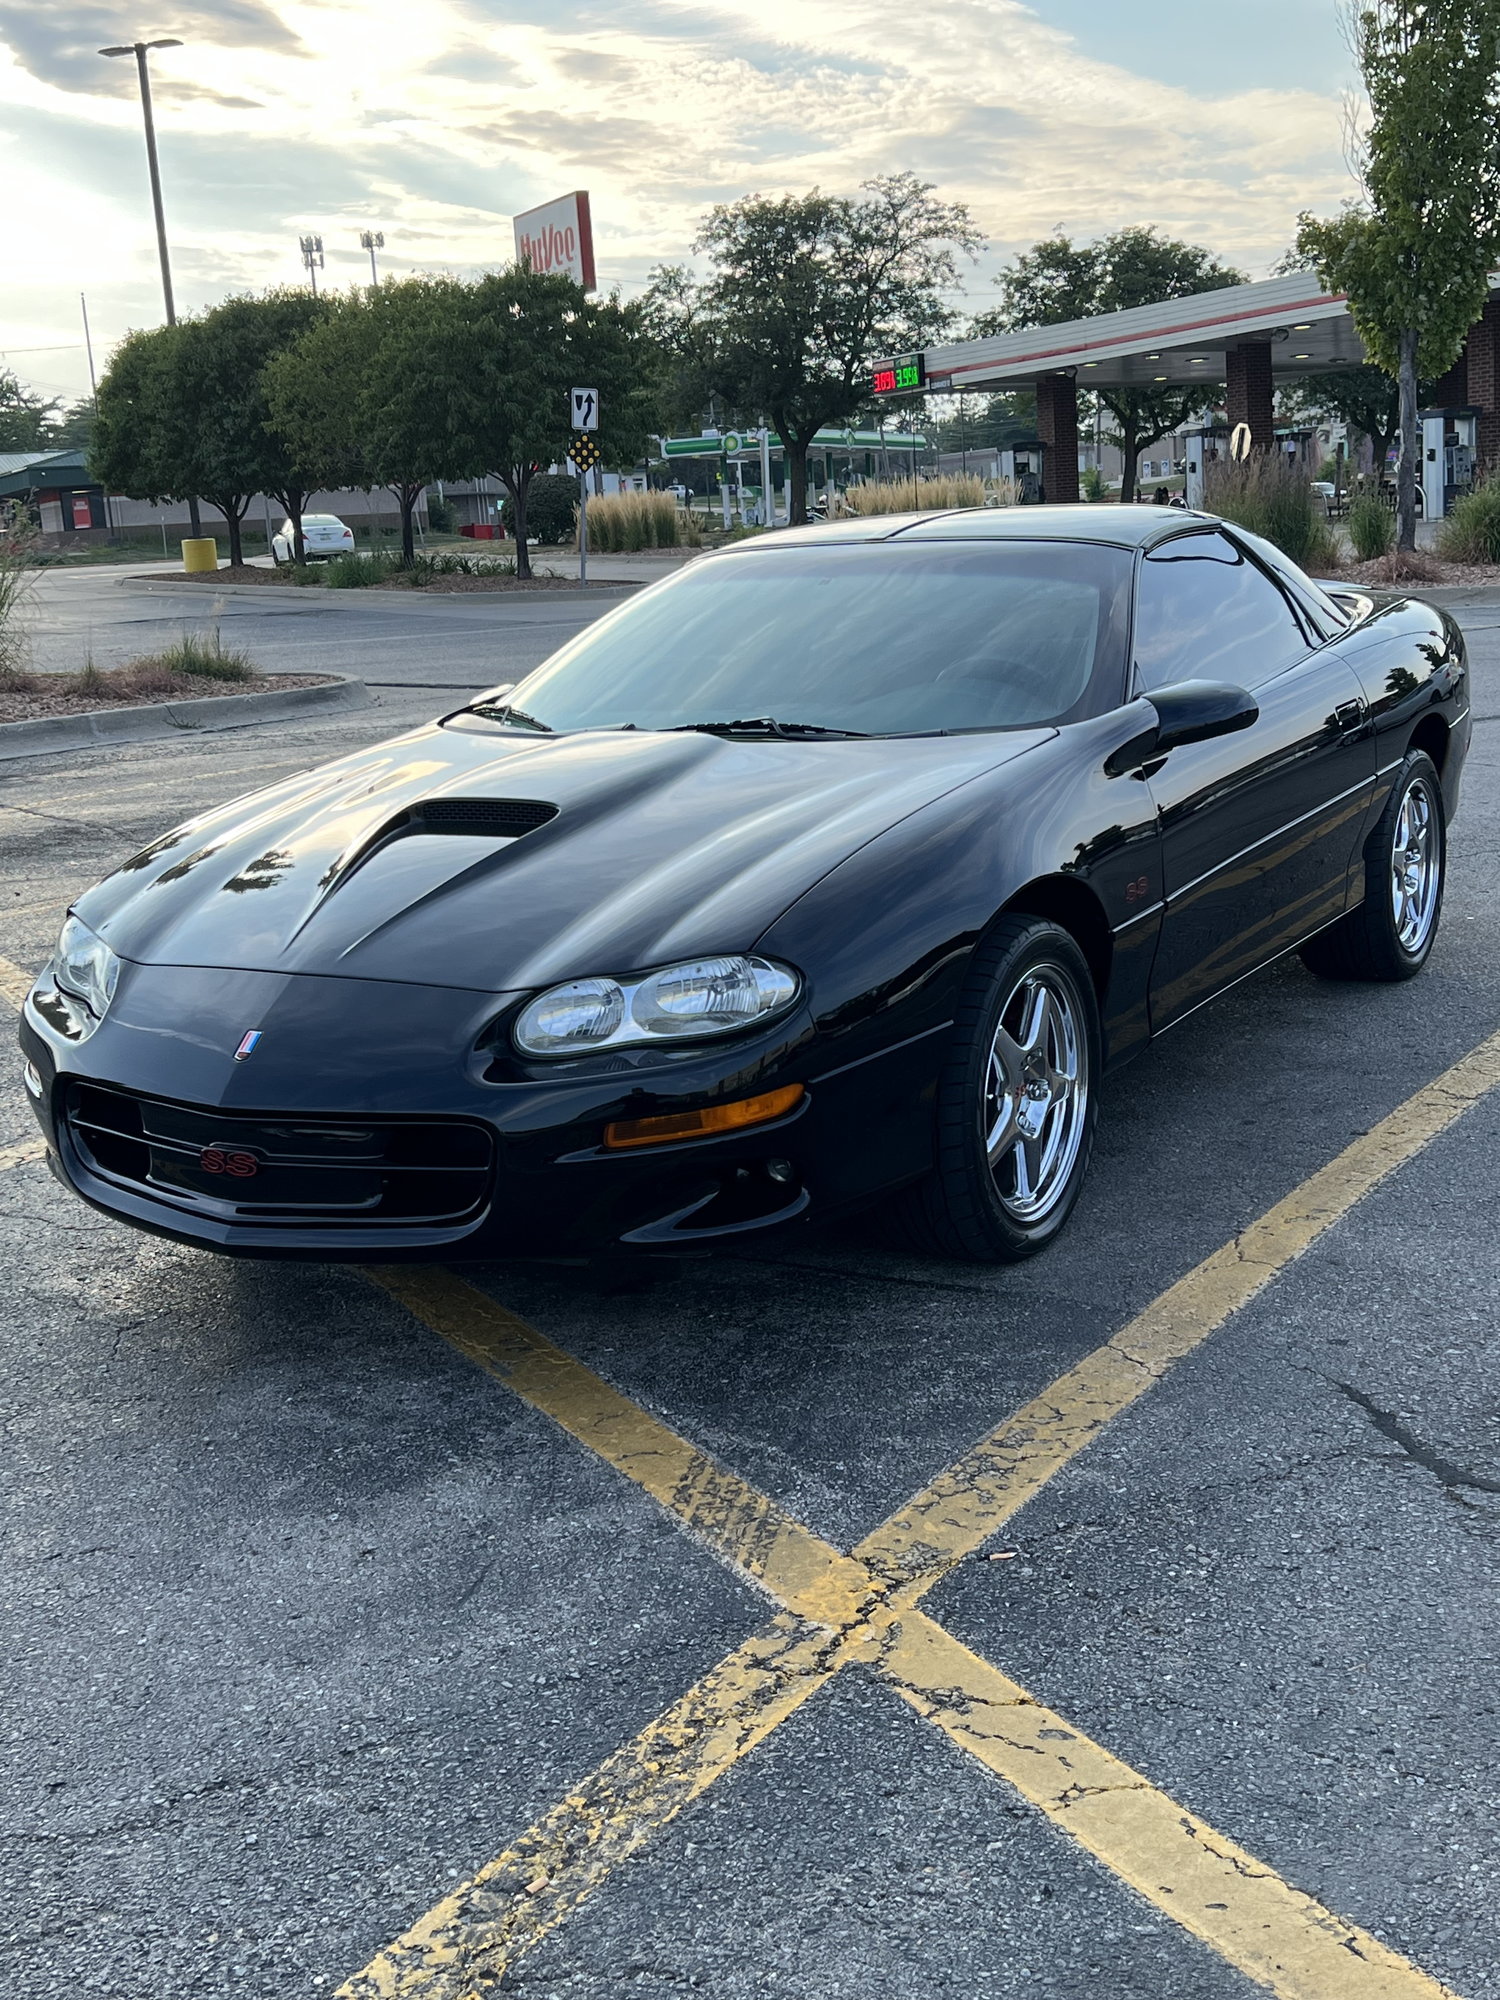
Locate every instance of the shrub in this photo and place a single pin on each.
(1091, 483)
(1271, 495)
(209, 659)
(1372, 528)
(905, 496)
(1471, 533)
(355, 572)
(551, 500)
(18, 551)
(439, 514)
(626, 521)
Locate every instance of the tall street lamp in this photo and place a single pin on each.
(139, 50)
(372, 240)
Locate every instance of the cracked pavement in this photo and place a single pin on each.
(307, 1617)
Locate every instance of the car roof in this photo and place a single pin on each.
(1126, 527)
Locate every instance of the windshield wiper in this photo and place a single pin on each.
(516, 718)
(761, 725)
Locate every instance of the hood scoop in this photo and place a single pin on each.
(476, 819)
(499, 819)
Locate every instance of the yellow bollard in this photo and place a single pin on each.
(199, 554)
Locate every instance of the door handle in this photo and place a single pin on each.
(1349, 715)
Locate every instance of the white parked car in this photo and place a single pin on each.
(323, 535)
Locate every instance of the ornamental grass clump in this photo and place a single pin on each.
(1471, 533)
(203, 658)
(936, 493)
(18, 554)
(356, 572)
(620, 523)
(1271, 495)
(1372, 528)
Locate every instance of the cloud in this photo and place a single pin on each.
(438, 122)
(60, 44)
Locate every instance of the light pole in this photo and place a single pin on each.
(372, 240)
(140, 50)
(312, 257)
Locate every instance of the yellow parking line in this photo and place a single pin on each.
(1271, 1931)
(966, 1504)
(797, 1568)
(462, 1947)
(14, 983)
(1242, 1909)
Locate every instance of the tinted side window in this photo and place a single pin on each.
(1205, 612)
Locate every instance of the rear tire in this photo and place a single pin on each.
(1390, 936)
(1016, 1101)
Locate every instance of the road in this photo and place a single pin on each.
(384, 637)
(322, 1593)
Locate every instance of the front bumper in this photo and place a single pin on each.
(387, 1070)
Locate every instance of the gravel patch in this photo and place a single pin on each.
(61, 694)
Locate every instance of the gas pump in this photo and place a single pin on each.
(1204, 448)
(1021, 463)
(1449, 439)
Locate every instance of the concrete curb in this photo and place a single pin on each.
(100, 727)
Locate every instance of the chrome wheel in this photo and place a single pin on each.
(1416, 867)
(1036, 1096)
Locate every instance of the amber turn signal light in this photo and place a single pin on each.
(718, 1118)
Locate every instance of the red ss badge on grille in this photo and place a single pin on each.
(219, 1160)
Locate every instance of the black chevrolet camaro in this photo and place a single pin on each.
(836, 867)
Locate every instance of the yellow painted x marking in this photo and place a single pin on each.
(837, 1609)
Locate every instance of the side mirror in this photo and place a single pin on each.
(1194, 711)
(1186, 712)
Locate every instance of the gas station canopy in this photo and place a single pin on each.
(1175, 343)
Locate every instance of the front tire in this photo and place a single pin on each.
(1016, 1101)
(1390, 936)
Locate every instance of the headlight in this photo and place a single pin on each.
(700, 998)
(84, 966)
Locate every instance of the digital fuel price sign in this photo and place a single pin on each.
(906, 372)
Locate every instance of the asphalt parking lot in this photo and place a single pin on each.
(385, 637)
(328, 1589)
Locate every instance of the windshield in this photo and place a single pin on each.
(870, 640)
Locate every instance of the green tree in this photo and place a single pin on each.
(987, 423)
(26, 419)
(140, 444)
(434, 378)
(74, 425)
(1365, 398)
(1058, 279)
(183, 410)
(1414, 256)
(222, 368)
(804, 293)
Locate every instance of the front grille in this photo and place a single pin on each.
(499, 818)
(251, 1168)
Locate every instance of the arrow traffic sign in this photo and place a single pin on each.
(585, 406)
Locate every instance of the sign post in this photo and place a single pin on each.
(767, 503)
(583, 405)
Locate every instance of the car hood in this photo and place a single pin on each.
(662, 846)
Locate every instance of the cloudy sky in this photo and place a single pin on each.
(436, 120)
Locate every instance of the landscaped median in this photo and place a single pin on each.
(378, 573)
(194, 685)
